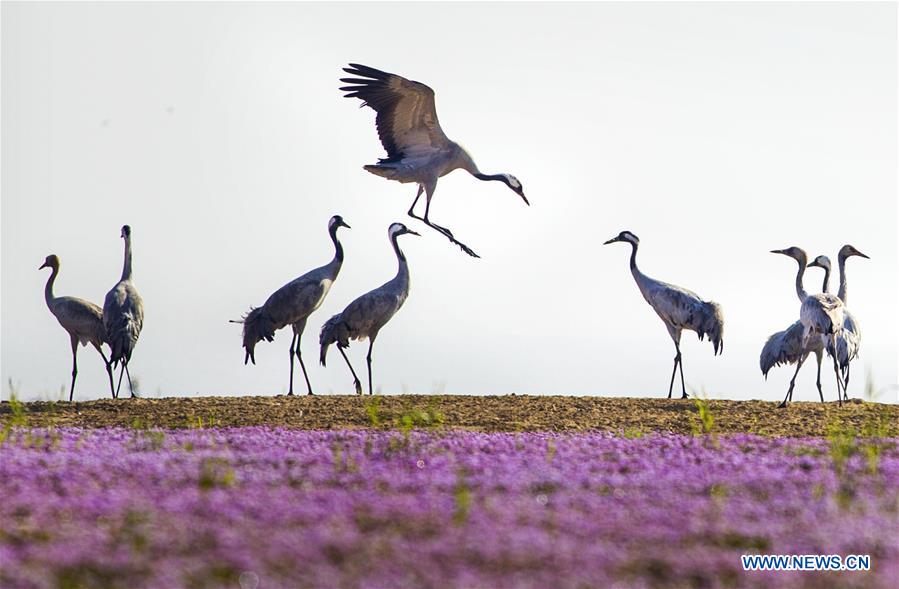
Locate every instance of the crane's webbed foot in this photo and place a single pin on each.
(783, 404)
(358, 386)
(684, 396)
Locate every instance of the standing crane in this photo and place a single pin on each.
(821, 315)
(123, 316)
(292, 304)
(82, 319)
(365, 316)
(850, 337)
(678, 308)
(417, 149)
(788, 346)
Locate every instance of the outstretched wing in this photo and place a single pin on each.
(407, 117)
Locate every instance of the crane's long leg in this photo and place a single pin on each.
(299, 331)
(293, 342)
(130, 386)
(74, 366)
(108, 369)
(371, 343)
(356, 381)
(429, 193)
(818, 356)
(673, 373)
(415, 202)
(121, 374)
(836, 372)
(682, 385)
(846, 382)
(789, 395)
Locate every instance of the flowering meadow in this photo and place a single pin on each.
(269, 508)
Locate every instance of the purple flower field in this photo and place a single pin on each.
(269, 508)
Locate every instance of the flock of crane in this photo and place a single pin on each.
(419, 152)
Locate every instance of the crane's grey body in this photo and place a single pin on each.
(790, 346)
(678, 308)
(850, 337)
(365, 316)
(418, 151)
(123, 316)
(821, 315)
(83, 320)
(292, 304)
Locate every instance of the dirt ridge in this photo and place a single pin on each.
(630, 416)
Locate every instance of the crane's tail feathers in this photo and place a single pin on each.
(384, 171)
(335, 330)
(713, 325)
(257, 326)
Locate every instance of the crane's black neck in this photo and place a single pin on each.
(338, 248)
(634, 247)
(481, 176)
(400, 256)
(826, 286)
(402, 272)
(844, 287)
(48, 289)
(126, 266)
(800, 290)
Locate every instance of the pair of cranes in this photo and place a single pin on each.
(293, 303)
(117, 324)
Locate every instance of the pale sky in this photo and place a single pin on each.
(715, 132)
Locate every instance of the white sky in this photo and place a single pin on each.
(715, 132)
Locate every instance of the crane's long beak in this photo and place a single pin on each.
(613, 240)
(777, 251)
(343, 224)
(862, 255)
(42, 266)
(524, 198)
(413, 232)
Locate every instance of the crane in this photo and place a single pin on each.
(678, 308)
(788, 346)
(850, 338)
(123, 316)
(292, 304)
(82, 320)
(417, 149)
(365, 316)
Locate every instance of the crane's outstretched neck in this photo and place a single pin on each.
(48, 289)
(126, 266)
(826, 286)
(843, 286)
(800, 291)
(481, 176)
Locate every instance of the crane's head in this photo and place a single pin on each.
(820, 262)
(51, 261)
(794, 252)
(397, 229)
(126, 231)
(848, 250)
(336, 223)
(624, 236)
(515, 184)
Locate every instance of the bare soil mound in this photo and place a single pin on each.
(628, 416)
